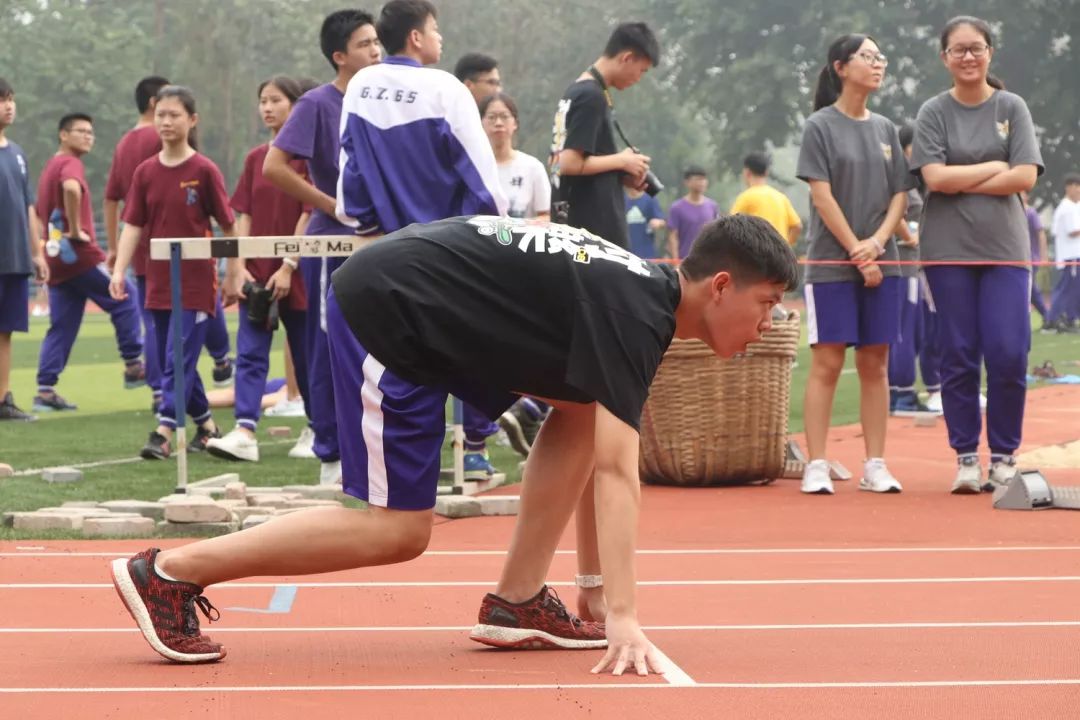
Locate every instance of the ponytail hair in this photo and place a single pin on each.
(829, 84)
(980, 26)
(187, 99)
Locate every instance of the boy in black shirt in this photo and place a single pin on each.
(587, 170)
(581, 323)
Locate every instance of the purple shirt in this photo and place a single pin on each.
(687, 219)
(312, 133)
(1034, 227)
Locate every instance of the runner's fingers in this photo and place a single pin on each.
(605, 663)
(640, 663)
(655, 661)
(624, 659)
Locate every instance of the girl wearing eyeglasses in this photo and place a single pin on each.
(976, 150)
(853, 162)
(523, 178)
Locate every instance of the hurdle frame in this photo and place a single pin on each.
(176, 250)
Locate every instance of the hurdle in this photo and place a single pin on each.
(244, 248)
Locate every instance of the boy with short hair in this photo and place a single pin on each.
(20, 250)
(465, 308)
(766, 202)
(690, 213)
(349, 43)
(1065, 226)
(480, 74)
(77, 270)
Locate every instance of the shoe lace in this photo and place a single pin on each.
(191, 619)
(555, 604)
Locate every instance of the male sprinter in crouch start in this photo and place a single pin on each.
(488, 309)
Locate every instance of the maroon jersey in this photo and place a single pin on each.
(178, 202)
(272, 212)
(135, 146)
(51, 198)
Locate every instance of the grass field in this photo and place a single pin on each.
(112, 424)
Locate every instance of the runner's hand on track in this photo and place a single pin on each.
(628, 648)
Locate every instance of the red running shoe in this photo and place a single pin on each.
(542, 622)
(165, 610)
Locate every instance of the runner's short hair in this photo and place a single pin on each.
(399, 18)
(472, 64)
(635, 37)
(146, 90)
(747, 247)
(757, 163)
(336, 30)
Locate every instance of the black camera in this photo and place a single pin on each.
(653, 186)
(262, 308)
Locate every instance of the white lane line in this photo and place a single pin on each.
(641, 583)
(673, 674)
(990, 625)
(640, 685)
(671, 551)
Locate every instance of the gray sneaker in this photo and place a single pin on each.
(968, 477)
(9, 411)
(1001, 474)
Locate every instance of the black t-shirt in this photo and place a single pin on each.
(488, 307)
(583, 122)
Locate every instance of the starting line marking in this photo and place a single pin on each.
(552, 686)
(998, 624)
(672, 551)
(640, 583)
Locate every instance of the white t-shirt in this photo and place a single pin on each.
(1066, 221)
(525, 184)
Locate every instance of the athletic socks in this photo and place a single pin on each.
(967, 459)
(475, 445)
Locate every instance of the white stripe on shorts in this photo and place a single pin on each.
(811, 315)
(322, 294)
(371, 425)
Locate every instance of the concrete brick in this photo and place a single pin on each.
(153, 510)
(46, 521)
(196, 509)
(137, 526)
(236, 491)
(233, 505)
(280, 431)
(242, 513)
(305, 503)
(318, 492)
(216, 480)
(169, 529)
(61, 475)
(81, 512)
(213, 491)
(81, 504)
(499, 504)
(258, 490)
(274, 500)
(253, 520)
(6, 470)
(457, 506)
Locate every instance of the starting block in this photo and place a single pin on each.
(795, 463)
(1028, 490)
(838, 472)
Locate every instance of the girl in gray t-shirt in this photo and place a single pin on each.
(858, 180)
(976, 150)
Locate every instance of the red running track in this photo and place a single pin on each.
(771, 604)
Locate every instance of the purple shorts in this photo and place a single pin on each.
(390, 431)
(848, 313)
(14, 303)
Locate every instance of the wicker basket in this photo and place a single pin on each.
(710, 421)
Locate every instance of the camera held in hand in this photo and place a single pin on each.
(653, 186)
(262, 308)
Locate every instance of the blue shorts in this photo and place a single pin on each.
(390, 431)
(14, 303)
(848, 313)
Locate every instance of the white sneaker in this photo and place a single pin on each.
(286, 408)
(1001, 474)
(933, 403)
(237, 445)
(968, 478)
(877, 478)
(815, 479)
(330, 473)
(305, 445)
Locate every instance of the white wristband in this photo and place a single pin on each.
(290, 262)
(589, 581)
